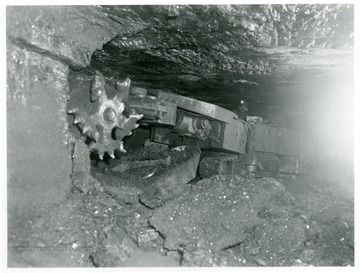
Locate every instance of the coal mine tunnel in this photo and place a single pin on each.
(137, 151)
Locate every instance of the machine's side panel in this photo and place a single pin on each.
(276, 140)
(233, 137)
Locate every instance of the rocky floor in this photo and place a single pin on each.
(220, 221)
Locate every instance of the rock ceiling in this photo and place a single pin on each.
(278, 57)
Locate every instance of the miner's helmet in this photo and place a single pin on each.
(244, 106)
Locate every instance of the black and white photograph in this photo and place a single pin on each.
(188, 135)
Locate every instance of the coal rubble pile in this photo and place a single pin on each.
(220, 221)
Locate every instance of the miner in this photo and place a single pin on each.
(242, 110)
